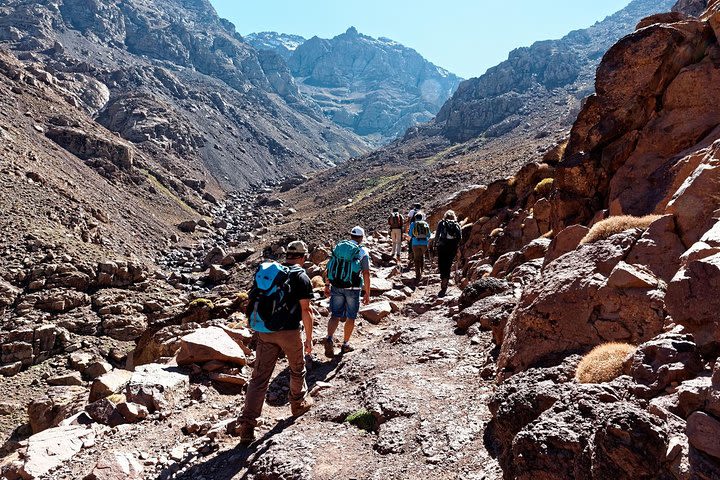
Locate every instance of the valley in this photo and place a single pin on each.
(152, 158)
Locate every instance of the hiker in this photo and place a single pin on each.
(396, 232)
(447, 241)
(279, 303)
(420, 234)
(410, 219)
(348, 274)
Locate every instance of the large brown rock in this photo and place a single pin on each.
(376, 312)
(670, 357)
(207, 344)
(109, 383)
(692, 300)
(566, 241)
(116, 466)
(703, 432)
(55, 406)
(576, 305)
(659, 248)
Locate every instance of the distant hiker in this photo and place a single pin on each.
(420, 234)
(410, 219)
(396, 232)
(279, 303)
(447, 241)
(348, 273)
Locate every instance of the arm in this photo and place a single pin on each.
(308, 320)
(366, 279)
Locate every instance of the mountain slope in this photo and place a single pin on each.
(375, 87)
(474, 139)
(180, 82)
(281, 43)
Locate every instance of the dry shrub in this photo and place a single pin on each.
(318, 283)
(544, 187)
(603, 363)
(612, 225)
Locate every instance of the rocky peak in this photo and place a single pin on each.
(376, 87)
(281, 43)
(548, 79)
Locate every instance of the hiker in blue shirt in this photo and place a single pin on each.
(420, 234)
(348, 273)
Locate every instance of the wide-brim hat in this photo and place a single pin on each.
(297, 247)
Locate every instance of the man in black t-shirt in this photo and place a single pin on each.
(269, 345)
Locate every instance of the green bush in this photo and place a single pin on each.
(362, 419)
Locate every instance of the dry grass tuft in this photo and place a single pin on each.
(544, 187)
(612, 225)
(603, 363)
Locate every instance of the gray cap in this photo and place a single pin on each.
(297, 247)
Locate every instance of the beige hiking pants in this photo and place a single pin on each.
(396, 234)
(268, 347)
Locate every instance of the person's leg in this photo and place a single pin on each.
(411, 255)
(353, 307)
(291, 343)
(266, 354)
(338, 308)
(417, 259)
(396, 236)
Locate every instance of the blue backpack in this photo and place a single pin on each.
(344, 266)
(268, 309)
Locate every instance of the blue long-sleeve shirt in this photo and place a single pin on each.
(418, 242)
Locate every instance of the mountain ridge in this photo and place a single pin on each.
(376, 87)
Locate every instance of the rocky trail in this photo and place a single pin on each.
(407, 382)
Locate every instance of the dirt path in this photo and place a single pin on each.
(415, 373)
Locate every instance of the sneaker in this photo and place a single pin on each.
(347, 348)
(329, 348)
(301, 407)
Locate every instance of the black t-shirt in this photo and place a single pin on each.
(300, 289)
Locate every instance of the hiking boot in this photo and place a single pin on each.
(301, 407)
(347, 348)
(245, 431)
(329, 348)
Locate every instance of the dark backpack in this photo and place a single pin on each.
(344, 265)
(395, 221)
(421, 230)
(269, 309)
(449, 231)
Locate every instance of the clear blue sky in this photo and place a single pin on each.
(464, 36)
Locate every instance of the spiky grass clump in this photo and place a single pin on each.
(362, 419)
(612, 225)
(202, 303)
(603, 363)
(544, 187)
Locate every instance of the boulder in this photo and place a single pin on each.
(319, 255)
(573, 307)
(692, 300)
(703, 432)
(378, 286)
(109, 383)
(214, 257)
(217, 274)
(565, 241)
(375, 312)
(480, 289)
(116, 466)
(156, 387)
(188, 226)
(50, 448)
(105, 410)
(659, 248)
(668, 358)
(72, 378)
(55, 406)
(211, 343)
(97, 369)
